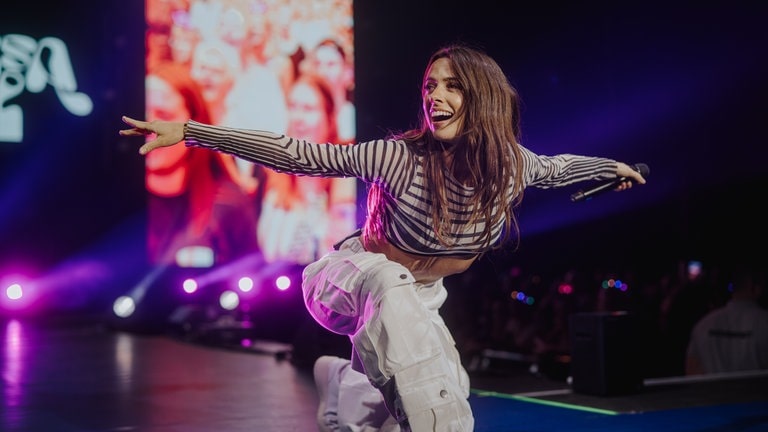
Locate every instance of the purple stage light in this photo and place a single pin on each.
(17, 293)
(190, 285)
(245, 284)
(229, 300)
(14, 292)
(283, 283)
(124, 306)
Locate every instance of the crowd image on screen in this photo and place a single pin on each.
(254, 64)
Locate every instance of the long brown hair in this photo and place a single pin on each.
(488, 157)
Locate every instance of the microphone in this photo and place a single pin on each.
(583, 195)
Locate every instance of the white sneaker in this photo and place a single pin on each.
(326, 368)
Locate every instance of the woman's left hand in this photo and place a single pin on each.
(631, 175)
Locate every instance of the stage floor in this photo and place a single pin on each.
(85, 376)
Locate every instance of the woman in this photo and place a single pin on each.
(329, 60)
(440, 196)
(179, 204)
(301, 216)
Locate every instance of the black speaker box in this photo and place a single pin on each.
(605, 353)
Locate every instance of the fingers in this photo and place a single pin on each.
(151, 145)
(146, 148)
(165, 133)
(138, 128)
(135, 132)
(623, 186)
(636, 176)
(632, 175)
(134, 123)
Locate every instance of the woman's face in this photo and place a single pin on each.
(213, 73)
(307, 118)
(328, 63)
(183, 41)
(164, 102)
(442, 97)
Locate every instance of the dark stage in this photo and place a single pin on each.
(80, 375)
(679, 86)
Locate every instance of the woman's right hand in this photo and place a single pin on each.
(168, 133)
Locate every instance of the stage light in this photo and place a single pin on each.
(245, 284)
(189, 285)
(283, 283)
(229, 300)
(124, 306)
(19, 293)
(694, 269)
(615, 283)
(521, 297)
(14, 292)
(195, 257)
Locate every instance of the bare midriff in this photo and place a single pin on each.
(425, 269)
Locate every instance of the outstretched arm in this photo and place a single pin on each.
(564, 169)
(168, 133)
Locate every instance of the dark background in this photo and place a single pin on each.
(679, 86)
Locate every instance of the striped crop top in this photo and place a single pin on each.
(398, 175)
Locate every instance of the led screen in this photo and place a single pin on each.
(282, 66)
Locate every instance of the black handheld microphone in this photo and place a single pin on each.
(583, 195)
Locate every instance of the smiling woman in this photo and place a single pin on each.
(439, 196)
(178, 179)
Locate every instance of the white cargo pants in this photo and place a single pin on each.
(400, 341)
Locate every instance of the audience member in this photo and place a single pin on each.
(733, 337)
(216, 67)
(329, 60)
(303, 216)
(179, 204)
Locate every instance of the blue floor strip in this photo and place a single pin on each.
(508, 413)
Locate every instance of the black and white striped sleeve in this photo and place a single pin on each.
(379, 161)
(564, 169)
